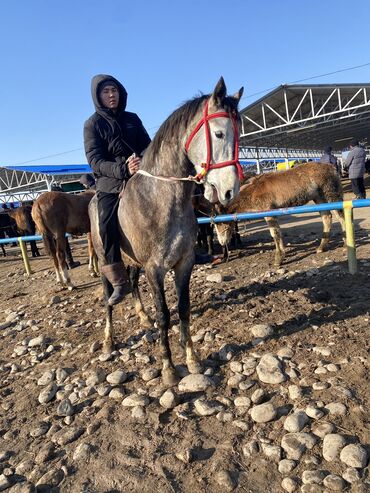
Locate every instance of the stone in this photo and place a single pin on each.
(150, 374)
(46, 453)
(117, 377)
(311, 488)
(97, 376)
(69, 435)
(37, 341)
(243, 425)
(225, 480)
(332, 368)
(235, 380)
(138, 413)
(65, 408)
(250, 449)
(296, 422)
(40, 429)
(286, 466)
(169, 399)
(236, 367)
(61, 375)
(273, 452)
(285, 353)
(48, 393)
(263, 413)
(262, 330)
(82, 452)
(46, 378)
(354, 456)
(195, 383)
(242, 401)
(334, 483)
(289, 485)
(333, 443)
(218, 278)
(314, 412)
(351, 475)
(135, 400)
(51, 479)
(336, 408)
(258, 396)
(23, 487)
(207, 408)
(295, 444)
(320, 385)
(247, 384)
(295, 392)
(313, 477)
(322, 429)
(4, 482)
(116, 393)
(269, 369)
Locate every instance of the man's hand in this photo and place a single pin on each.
(133, 164)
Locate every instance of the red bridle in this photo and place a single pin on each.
(207, 165)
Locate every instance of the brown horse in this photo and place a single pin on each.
(294, 187)
(156, 217)
(58, 213)
(25, 225)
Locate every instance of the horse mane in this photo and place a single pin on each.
(181, 117)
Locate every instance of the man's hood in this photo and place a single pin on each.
(95, 87)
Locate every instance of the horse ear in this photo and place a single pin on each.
(237, 96)
(219, 92)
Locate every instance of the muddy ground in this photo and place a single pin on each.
(318, 317)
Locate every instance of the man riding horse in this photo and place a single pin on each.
(114, 139)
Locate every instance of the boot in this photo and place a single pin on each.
(117, 276)
(70, 262)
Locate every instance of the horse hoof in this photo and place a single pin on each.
(169, 377)
(194, 367)
(93, 274)
(108, 347)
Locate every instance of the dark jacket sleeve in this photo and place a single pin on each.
(94, 150)
(143, 139)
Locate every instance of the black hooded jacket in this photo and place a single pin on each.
(110, 138)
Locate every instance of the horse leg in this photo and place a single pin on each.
(92, 257)
(145, 321)
(3, 249)
(326, 225)
(210, 239)
(182, 278)
(340, 216)
(156, 281)
(34, 250)
(108, 344)
(276, 235)
(61, 256)
(50, 248)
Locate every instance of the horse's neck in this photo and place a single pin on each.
(169, 160)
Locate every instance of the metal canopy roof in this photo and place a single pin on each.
(308, 117)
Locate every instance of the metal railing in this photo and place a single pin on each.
(347, 206)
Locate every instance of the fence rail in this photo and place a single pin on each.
(347, 206)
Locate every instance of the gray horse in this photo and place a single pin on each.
(156, 217)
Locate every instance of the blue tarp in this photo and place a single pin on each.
(51, 169)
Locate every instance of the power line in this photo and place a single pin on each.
(309, 78)
(47, 157)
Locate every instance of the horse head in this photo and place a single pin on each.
(213, 144)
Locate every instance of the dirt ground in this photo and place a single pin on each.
(316, 309)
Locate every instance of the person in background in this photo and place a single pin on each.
(355, 163)
(114, 139)
(329, 158)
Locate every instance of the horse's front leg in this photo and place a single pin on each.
(108, 344)
(145, 320)
(61, 243)
(156, 281)
(182, 278)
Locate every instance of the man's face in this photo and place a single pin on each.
(109, 96)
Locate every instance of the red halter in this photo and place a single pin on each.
(207, 165)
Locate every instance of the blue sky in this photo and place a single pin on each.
(164, 52)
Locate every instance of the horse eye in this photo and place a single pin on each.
(219, 134)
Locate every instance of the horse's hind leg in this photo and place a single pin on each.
(61, 256)
(145, 321)
(34, 250)
(50, 248)
(108, 344)
(340, 216)
(326, 225)
(277, 236)
(182, 278)
(156, 281)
